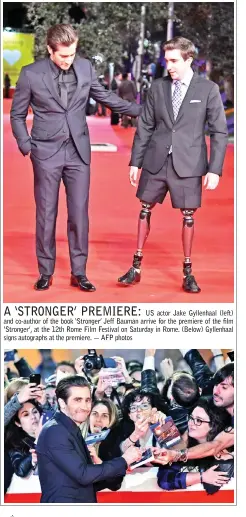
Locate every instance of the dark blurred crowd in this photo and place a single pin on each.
(128, 398)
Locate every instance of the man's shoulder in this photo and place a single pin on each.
(82, 62)
(51, 428)
(205, 83)
(39, 65)
(160, 80)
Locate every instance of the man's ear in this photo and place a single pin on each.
(200, 391)
(49, 49)
(62, 404)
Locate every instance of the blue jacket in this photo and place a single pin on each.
(65, 468)
(171, 477)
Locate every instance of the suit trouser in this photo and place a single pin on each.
(65, 165)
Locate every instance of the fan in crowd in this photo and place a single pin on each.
(82, 427)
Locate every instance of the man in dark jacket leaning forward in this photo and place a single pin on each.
(57, 88)
(66, 471)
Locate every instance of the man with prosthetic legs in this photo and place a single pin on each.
(170, 147)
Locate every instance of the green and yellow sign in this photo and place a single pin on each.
(17, 52)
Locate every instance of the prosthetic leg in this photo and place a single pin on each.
(189, 282)
(133, 275)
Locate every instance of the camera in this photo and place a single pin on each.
(92, 361)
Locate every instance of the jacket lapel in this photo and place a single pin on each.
(50, 84)
(74, 430)
(167, 83)
(188, 97)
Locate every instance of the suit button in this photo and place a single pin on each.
(173, 130)
(168, 146)
(64, 130)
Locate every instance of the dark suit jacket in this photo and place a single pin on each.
(157, 130)
(36, 87)
(65, 469)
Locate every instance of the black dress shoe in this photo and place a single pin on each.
(43, 283)
(82, 282)
(130, 278)
(190, 285)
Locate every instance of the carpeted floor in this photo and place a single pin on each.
(114, 213)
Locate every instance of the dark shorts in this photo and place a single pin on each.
(184, 192)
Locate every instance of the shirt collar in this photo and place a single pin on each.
(187, 78)
(67, 421)
(56, 70)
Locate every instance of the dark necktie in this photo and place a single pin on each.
(177, 98)
(63, 88)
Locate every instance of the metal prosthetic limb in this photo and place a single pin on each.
(133, 275)
(189, 281)
(187, 239)
(143, 232)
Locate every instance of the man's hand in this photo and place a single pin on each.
(211, 181)
(134, 176)
(166, 367)
(34, 457)
(163, 456)
(79, 364)
(94, 456)
(40, 394)
(132, 454)
(30, 391)
(157, 416)
(150, 352)
(121, 365)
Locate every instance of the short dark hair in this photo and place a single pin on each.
(223, 373)
(61, 34)
(64, 385)
(155, 401)
(186, 46)
(185, 390)
(125, 75)
(66, 363)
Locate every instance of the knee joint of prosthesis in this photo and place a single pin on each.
(188, 217)
(146, 211)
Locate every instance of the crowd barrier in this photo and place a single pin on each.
(139, 486)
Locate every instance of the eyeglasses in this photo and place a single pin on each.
(143, 407)
(198, 421)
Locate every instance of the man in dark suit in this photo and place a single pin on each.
(57, 88)
(127, 91)
(170, 147)
(65, 468)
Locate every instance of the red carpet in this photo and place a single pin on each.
(173, 497)
(114, 212)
